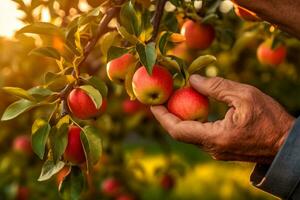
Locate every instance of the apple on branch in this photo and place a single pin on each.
(198, 35)
(268, 56)
(74, 152)
(154, 89)
(118, 68)
(82, 106)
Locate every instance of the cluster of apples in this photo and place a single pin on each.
(265, 53)
(157, 88)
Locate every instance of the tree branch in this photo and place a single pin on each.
(160, 5)
(110, 14)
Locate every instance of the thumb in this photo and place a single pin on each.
(215, 87)
(253, 5)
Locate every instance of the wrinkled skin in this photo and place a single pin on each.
(283, 13)
(253, 129)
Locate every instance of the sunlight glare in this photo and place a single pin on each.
(9, 22)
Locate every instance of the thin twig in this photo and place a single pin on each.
(160, 5)
(110, 14)
(102, 28)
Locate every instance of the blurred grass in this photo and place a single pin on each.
(204, 178)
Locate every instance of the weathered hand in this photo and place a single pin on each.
(254, 128)
(284, 13)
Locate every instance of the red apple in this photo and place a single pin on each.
(22, 144)
(167, 182)
(245, 14)
(268, 56)
(125, 197)
(181, 51)
(82, 106)
(131, 107)
(152, 89)
(111, 187)
(74, 152)
(118, 68)
(188, 104)
(22, 193)
(198, 36)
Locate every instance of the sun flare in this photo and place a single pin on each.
(9, 22)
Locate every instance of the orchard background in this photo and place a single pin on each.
(69, 129)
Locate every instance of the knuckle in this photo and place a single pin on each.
(250, 92)
(216, 83)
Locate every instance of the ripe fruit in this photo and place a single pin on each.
(82, 106)
(188, 104)
(22, 144)
(125, 197)
(22, 193)
(117, 69)
(181, 51)
(74, 152)
(198, 36)
(245, 14)
(111, 187)
(132, 107)
(167, 182)
(152, 89)
(268, 56)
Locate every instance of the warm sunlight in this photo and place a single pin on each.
(9, 15)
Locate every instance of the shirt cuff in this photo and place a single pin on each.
(282, 176)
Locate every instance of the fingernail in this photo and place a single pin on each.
(196, 78)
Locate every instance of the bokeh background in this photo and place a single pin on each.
(139, 143)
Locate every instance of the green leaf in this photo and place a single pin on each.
(94, 94)
(163, 41)
(73, 185)
(128, 80)
(49, 169)
(19, 92)
(147, 54)
(59, 141)
(107, 41)
(92, 145)
(116, 52)
(42, 28)
(129, 37)
(17, 108)
(57, 83)
(46, 51)
(210, 18)
(129, 19)
(40, 92)
(40, 132)
(98, 84)
(200, 62)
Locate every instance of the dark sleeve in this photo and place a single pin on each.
(282, 177)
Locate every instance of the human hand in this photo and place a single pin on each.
(283, 13)
(253, 130)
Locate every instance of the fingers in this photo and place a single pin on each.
(252, 5)
(186, 131)
(217, 88)
(166, 119)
